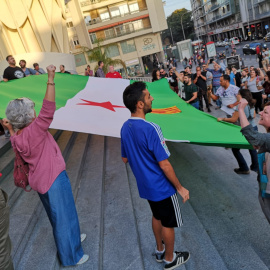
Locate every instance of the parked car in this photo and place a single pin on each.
(235, 40)
(251, 47)
(267, 37)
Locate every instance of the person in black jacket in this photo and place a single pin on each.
(237, 76)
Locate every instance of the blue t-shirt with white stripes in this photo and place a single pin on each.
(143, 144)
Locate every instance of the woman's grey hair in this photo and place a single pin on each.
(20, 112)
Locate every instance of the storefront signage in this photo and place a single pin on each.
(132, 62)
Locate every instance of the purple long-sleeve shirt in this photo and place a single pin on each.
(38, 148)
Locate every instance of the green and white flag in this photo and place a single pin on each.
(95, 105)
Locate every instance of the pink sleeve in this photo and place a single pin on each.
(45, 117)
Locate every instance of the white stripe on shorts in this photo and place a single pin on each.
(177, 210)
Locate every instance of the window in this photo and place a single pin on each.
(138, 25)
(228, 7)
(104, 14)
(134, 7)
(117, 11)
(223, 10)
(76, 42)
(93, 37)
(109, 33)
(112, 51)
(128, 46)
(69, 24)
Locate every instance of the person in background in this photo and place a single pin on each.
(62, 69)
(88, 71)
(244, 79)
(180, 76)
(38, 69)
(217, 73)
(47, 169)
(250, 114)
(191, 92)
(260, 141)
(12, 72)
(173, 80)
(100, 73)
(155, 75)
(229, 72)
(163, 73)
(252, 84)
(199, 79)
(209, 78)
(237, 76)
(113, 74)
(5, 243)
(228, 94)
(266, 86)
(222, 65)
(27, 71)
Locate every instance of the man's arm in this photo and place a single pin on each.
(195, 94)
(168, 170)
(204, 78)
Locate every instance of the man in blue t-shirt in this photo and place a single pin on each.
(144, 147)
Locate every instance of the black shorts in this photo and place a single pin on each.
(167, 211)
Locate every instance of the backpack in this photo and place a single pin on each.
(21, 171)
(96, 75)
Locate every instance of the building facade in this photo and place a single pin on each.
(34, 31)
(132, 27)
(217, 19)
(256, 17)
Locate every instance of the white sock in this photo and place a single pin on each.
(174, 256)
(159, 252)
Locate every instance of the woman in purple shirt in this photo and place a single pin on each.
(47, 175)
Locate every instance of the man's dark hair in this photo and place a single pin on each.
(8, 57)
(226, 77)
(22, 61)
(188, 75)
(132, 94)
(35, 64)
(99, 63)
(182, 72)
(62, 66)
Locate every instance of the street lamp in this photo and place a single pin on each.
(182, 23)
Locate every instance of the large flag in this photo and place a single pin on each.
(95, 105)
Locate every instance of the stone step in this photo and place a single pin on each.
(45, 256)
(222, 201)
(25, 211)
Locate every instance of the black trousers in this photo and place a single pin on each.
(203, 94)
(258, 97)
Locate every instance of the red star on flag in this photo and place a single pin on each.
(107, 105)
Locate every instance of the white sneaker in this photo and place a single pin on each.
(83, 259)
(83, 236)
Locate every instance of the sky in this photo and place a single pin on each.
(172, 5)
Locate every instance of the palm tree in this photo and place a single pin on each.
(100, 53)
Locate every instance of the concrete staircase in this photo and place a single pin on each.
(224, 227)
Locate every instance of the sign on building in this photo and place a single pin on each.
(233, 61)
(211, 49)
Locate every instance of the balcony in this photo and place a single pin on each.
(98, 20)
(90, 2)
(120, 31)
